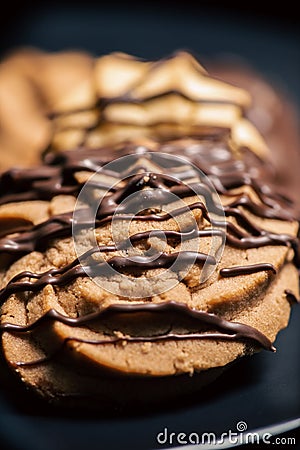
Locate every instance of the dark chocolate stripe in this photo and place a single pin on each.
(48, 180)
(156, 338)
(67, 274)
(130, 99)
(233, 330)
(291, 297)
(246, 270)
(40, 235)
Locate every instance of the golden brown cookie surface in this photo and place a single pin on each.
(144, 286)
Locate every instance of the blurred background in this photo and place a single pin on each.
(250, 34)
(262, 37)
(267, 37)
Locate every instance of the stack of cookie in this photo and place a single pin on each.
(151, 246)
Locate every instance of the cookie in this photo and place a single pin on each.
(32, 85)
(152, 247)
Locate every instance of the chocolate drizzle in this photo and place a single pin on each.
(52, 180)
(226, 330)
(232, 173)
(39, 236)
(49, 180)
(291, 297)
(68, 273)
(247, 270)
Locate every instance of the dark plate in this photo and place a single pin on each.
(263, 391)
